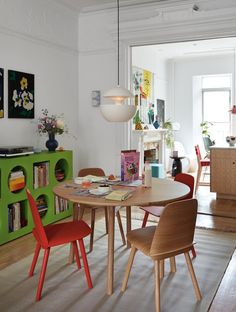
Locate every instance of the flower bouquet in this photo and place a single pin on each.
(52, 125)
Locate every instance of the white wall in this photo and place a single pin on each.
(100, 142)
(184, 111)
(34, 39)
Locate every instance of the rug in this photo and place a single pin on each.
(65, 287)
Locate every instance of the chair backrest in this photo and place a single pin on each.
(175, 229)
(188, 180)
(93, 171)
(40, 234)
(198, 153)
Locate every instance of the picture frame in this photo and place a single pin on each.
(1, 92)
(21, 95)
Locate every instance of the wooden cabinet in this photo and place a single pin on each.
(39, 173)
(223, 171)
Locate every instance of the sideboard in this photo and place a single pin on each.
(223, 172)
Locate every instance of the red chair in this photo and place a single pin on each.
(202, 163)
(55, 235)
(157, 210)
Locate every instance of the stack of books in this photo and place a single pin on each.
(61, 204)
(42, 205)
(16, 218)
(59, 174)
(16, 180)
(41, 174)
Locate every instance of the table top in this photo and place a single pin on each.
(161, 192)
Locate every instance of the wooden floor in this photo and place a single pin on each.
(225, 299)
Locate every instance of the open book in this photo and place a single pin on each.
(119, 195)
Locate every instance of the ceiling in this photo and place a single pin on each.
(193, 48)
(184, 49)
(81, 5)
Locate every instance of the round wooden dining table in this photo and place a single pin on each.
(162, 192)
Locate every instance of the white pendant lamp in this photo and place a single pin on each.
(118, 110)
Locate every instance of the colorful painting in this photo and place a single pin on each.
(1, 92)
(143, 93)
(20, 95)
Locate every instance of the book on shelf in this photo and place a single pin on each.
(16, 184)
(61, 204)
(16, 180)
(119, 195)
(15, 217)
(41, 174)
(59, 174)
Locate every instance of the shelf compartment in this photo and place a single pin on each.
(17, 179)
(42, 204)
(17, 216)
(41, 174)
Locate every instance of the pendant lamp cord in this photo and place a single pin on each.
(234, 89)
(118, 40)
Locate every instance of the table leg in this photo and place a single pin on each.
(110, 265)
(128, 222)
(75, 215)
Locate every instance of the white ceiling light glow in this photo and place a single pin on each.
(118, 110)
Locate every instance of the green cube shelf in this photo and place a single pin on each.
(41, 172)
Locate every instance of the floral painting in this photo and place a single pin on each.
(20, 95)
(1, 93)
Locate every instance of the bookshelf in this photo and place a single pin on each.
(39, 173)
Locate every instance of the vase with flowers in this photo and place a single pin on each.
(51, 125)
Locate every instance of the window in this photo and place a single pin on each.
(216, 103)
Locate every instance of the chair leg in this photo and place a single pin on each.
(86, 267)
(193, 252)
(172, 264)
(193, 276)
(120, 227)
(34, 261)
(76, 252)
(145, 219)
(128, 268)
(92, 230)
(106, 219)
(161, 268)
(157, 285)
(42, 274)
(199, 173)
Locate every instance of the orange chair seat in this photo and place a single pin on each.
(62, 233)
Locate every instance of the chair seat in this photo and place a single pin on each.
(142, 238)
(62, 233)
(205, 162)
(154, 210)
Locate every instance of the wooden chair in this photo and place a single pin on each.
(55, 235)
(99, 173)
(172, 236)
(157, 210)
(202, 163)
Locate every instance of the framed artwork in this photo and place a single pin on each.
(1, 92)
(143, 92)
(20, 94)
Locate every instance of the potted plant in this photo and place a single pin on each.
(169, 134)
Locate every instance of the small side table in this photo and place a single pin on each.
(177, 165)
